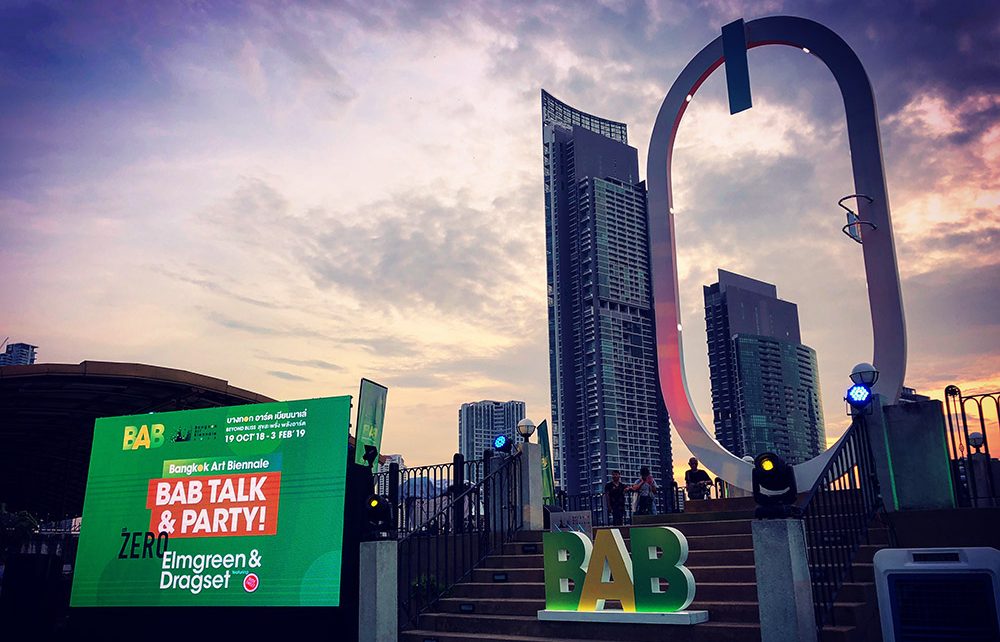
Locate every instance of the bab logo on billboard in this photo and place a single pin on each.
(651, 583)
(143, 437)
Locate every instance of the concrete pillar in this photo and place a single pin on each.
(911, 455)
(496, 494)
(532, 512)
(377, 609)
(784, 591)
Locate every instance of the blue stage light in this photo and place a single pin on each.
(859, 395)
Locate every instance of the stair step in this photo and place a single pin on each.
(515, 561)
(486, 575)
(695, 528)
(530, 627)
(528, 536)
(494, 606)
(718, 611)
(696, 556)
(705, 589)
(503, 595)
(702, 573)
(829, 634)
(451, 636)
(669, 519)
(483, 590)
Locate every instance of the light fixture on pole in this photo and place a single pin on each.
(859, 395)
(502, 444)
(526, 428)
(864, 373)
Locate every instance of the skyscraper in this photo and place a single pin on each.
(480, 422)
(383, 467)
(607, 410)
(18, 354)
(765, 383)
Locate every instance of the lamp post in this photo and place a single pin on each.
(976, 440)
(865, 374)
(859, 395)
(526, 428)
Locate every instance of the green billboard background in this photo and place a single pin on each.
(371, 417)
(232, 506)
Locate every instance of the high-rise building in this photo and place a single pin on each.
(480, 422)
(18, 354)
(765, 383)
(383, 467)
(607, 410)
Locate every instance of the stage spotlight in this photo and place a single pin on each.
(378, 514)
(858, 396)
(774, 487)
(503, 444)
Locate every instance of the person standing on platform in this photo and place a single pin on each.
(614, 497)
(697, 481)
(646, 489)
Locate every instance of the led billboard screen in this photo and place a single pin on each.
(231, 506)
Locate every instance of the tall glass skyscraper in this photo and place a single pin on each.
(607, 410)
(765, 383)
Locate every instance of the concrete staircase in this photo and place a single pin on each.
(500, 600)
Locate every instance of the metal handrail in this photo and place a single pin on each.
(973, 474)
(412, 507)
(838, 511)
(463, 531)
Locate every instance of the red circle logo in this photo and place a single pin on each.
(250, 583)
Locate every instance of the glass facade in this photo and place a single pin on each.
(607, 412)
(778, 398)
(765, 384)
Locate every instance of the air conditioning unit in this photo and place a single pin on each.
(938, 593)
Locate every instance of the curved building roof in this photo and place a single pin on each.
(555, 111)
(47, 414)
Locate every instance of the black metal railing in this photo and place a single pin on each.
(838, 512)
(418, 492)
(975, 473)
(461, 532)
(663, 502)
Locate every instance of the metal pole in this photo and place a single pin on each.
(458, 487)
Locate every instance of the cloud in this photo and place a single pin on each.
(287, 376)
(293, 197)
(402, 253)
(318, 364)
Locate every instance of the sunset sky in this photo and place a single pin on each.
(292, 196)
